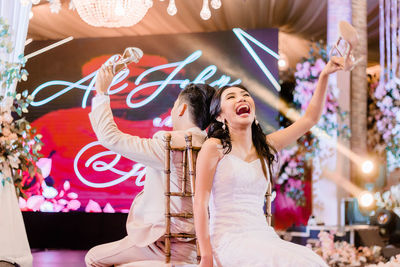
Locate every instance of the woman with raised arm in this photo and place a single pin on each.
(233, 172)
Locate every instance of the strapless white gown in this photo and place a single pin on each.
(240, 234)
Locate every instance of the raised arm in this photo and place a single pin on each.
(147, 151)
(206, 165)
(282, 138)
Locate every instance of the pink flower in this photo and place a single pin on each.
(320, 64)
(67, 185)
(387, 101)
(34, 202)
(396, 94)
(62, 202)
(294, 183)
(380, 125)
(303, 71)
(58, 208)
(315, 71)
(292, 164)
(74, 204)
(72, 195)
(22, 203)
(108, 208)
(45, 166)
(93, 206)
(380, 91)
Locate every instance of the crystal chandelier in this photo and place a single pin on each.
(112, 13)
(125, 13)
(205, 12)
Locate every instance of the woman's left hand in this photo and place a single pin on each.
(333, 65)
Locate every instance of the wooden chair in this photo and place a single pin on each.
(7, 264)
(268, 195)
(268, 210)
(189, 176)
(189, 155)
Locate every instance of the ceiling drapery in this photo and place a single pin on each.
(297, 18)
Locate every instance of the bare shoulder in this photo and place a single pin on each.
(212, 143)
(213, 148)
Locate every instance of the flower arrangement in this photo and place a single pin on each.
(384, 120)
(310, 147)
(19, 142)
(376, 140)
(43, 195)
(341, 253)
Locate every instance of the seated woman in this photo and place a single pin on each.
(233, 173)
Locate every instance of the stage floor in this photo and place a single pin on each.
(59, 258)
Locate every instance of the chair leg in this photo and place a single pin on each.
(167, 172)
(192, 178)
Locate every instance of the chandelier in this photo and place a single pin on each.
(125, 13)
(112, 13)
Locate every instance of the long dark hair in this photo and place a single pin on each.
(198, 97)
(263, 148)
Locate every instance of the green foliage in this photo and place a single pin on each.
(19, 142)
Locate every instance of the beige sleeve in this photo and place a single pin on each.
(149, 152)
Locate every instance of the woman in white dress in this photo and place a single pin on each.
(233, 172)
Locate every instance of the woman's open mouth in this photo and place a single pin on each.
(243, 109)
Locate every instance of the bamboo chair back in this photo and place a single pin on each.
(189, 155)
(268, 209)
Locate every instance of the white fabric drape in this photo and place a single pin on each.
(17, 16)
(14, 246)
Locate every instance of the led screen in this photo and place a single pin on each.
(81, 175)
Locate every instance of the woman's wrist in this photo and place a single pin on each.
(206, 257)
(324, 73)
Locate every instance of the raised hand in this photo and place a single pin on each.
(333, 65)
(104, 78)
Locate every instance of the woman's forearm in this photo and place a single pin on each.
(201, 222)
(317, 103)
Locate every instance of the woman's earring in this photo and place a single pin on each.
(223, 126)
(256, 121)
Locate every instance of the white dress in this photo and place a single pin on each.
(240, 234)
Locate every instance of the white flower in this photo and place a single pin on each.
(49, 192)
(6, 131)
(397, 211)
(13, 161)
(6, 104)
(55, 6)
(7, 117)
(47, 206)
